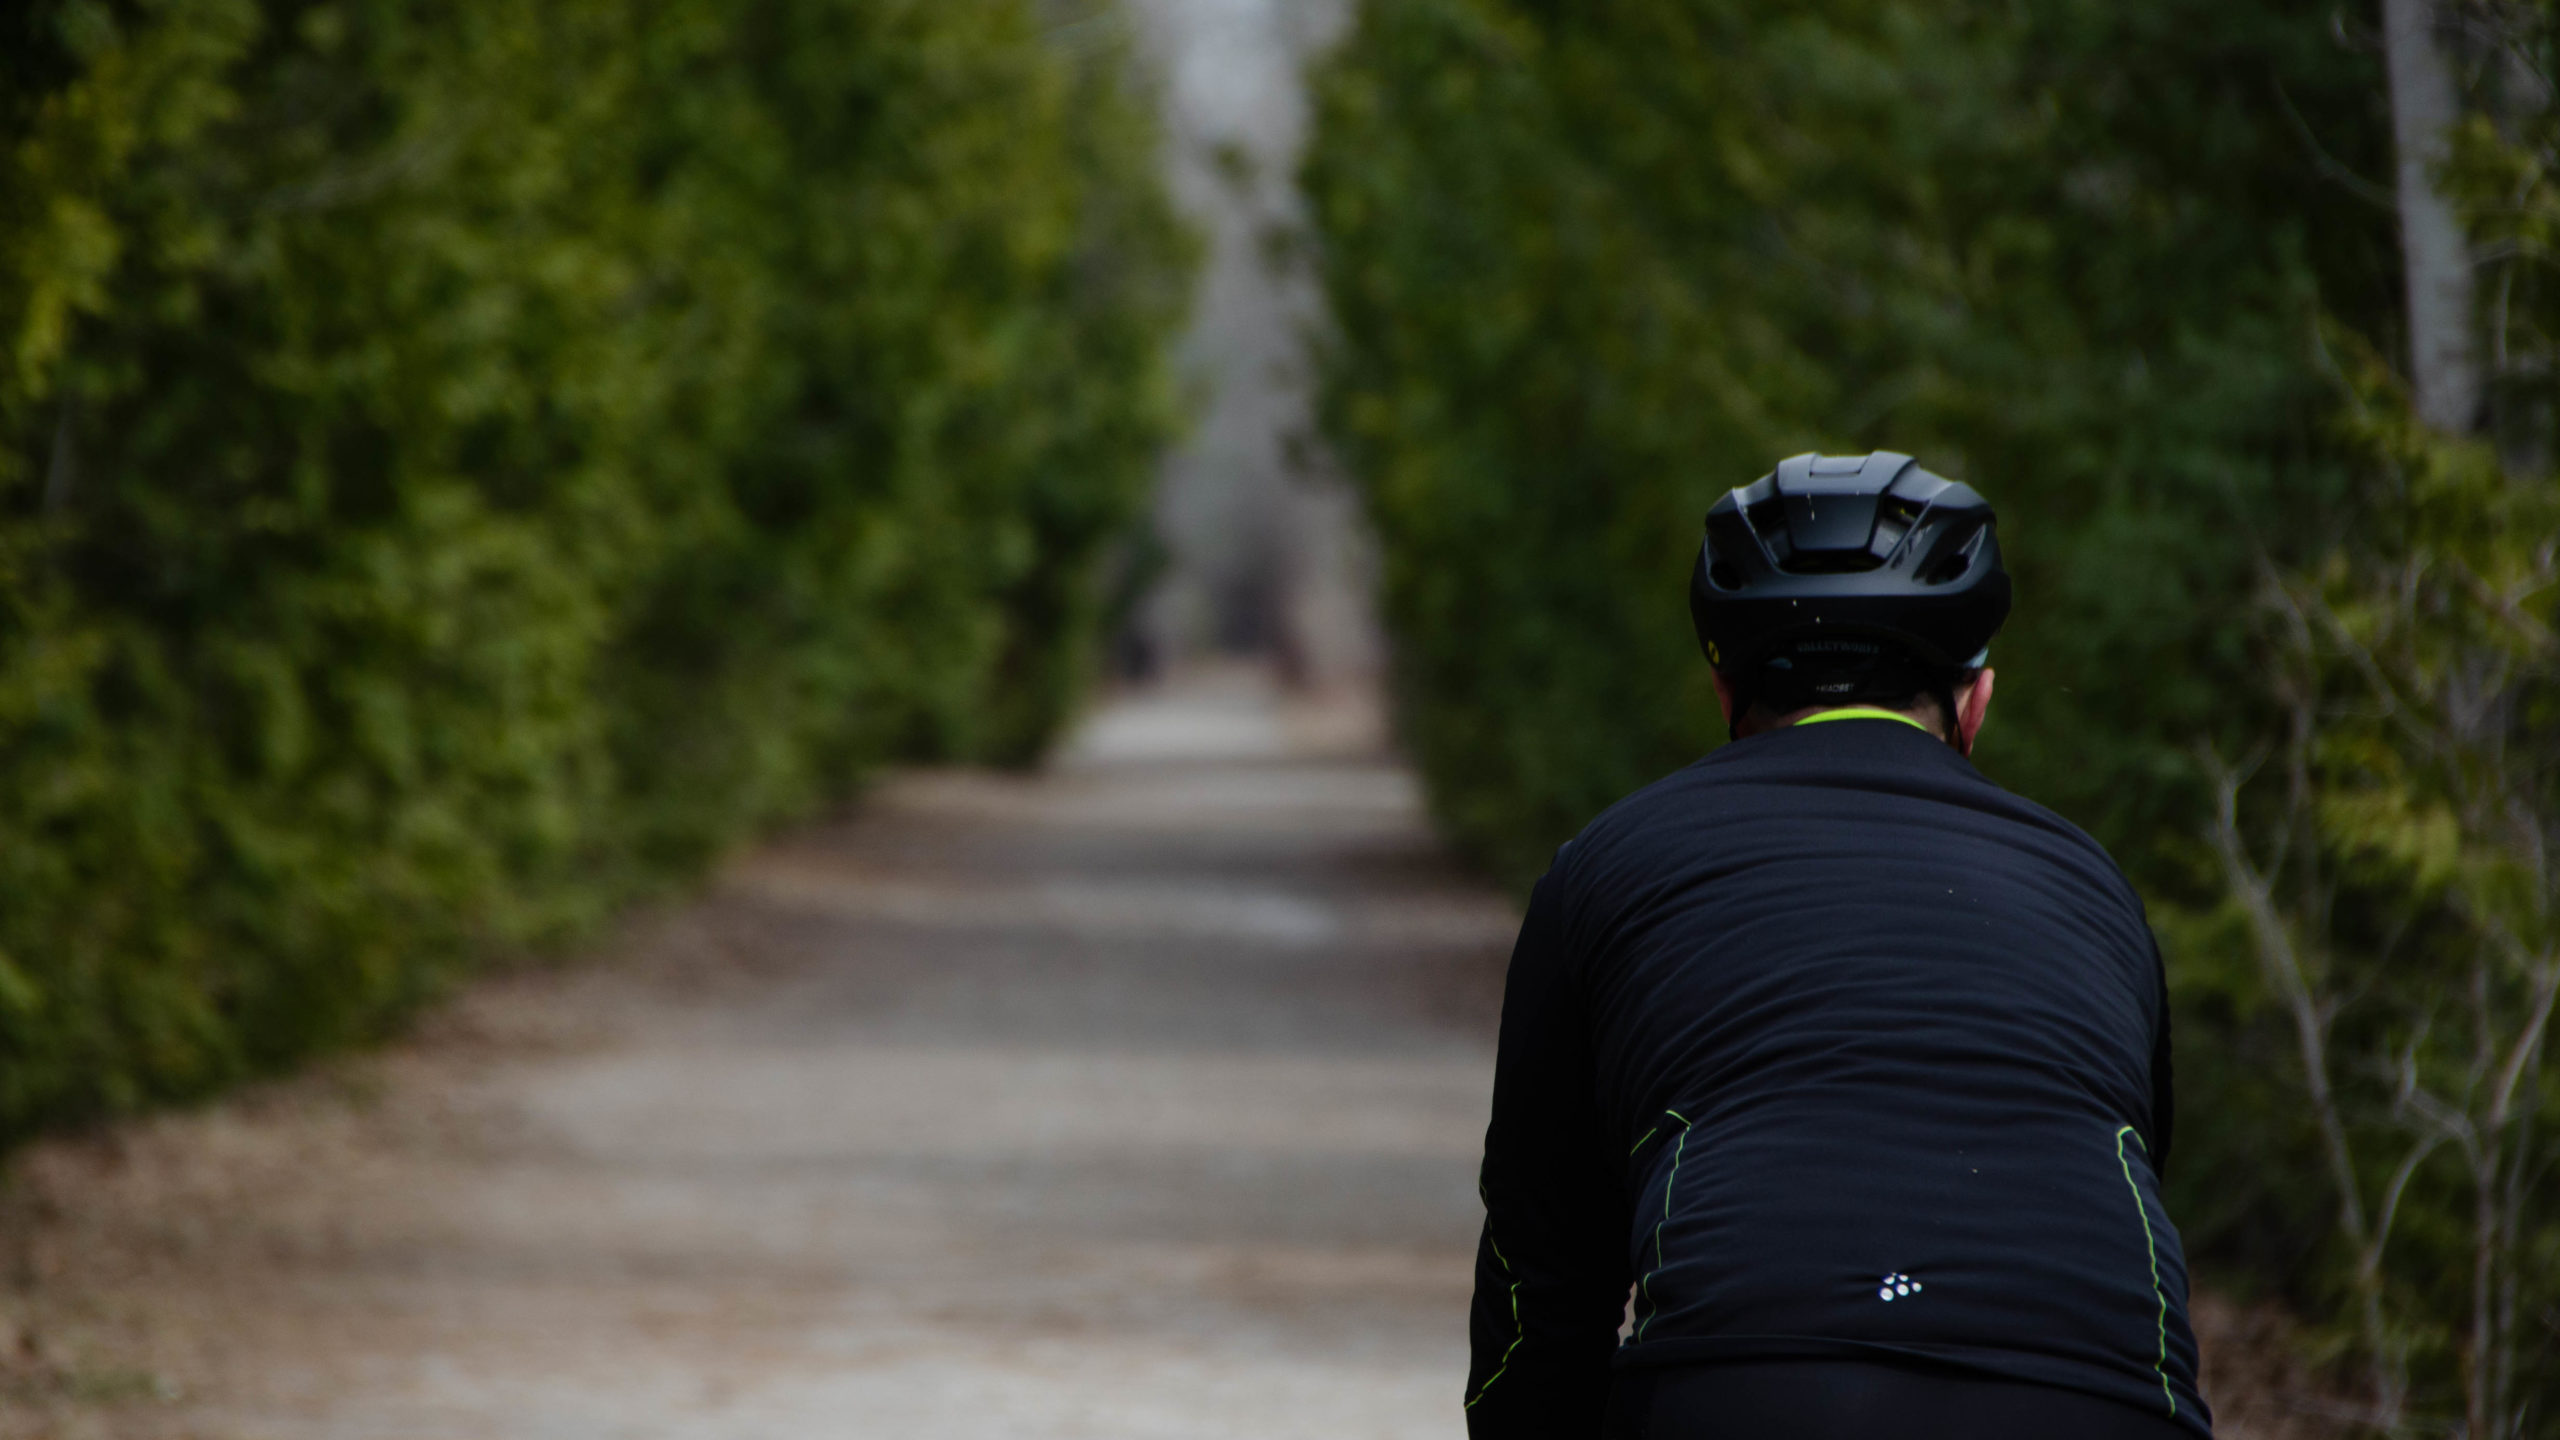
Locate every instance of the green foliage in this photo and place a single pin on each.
(461, 463)
(2391, 840)
(2392, 851)
(1592, 265)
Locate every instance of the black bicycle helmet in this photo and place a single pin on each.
(1837, 579)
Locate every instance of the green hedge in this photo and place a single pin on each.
(463, 462)
(1594, 264)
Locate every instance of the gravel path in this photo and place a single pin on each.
(1138, 1100)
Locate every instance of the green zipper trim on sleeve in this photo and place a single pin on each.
(2150, 1247)
(1866, 712)
(1518, 1331)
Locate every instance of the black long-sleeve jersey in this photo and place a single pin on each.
(1829, 1047)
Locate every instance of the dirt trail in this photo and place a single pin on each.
(1138, 1100)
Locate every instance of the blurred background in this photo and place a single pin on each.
(902, 531)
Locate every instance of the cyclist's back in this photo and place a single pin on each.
(1855, 1067)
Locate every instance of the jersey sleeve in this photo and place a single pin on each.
(1551, 1268)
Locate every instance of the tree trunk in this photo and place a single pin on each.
(2444, 361)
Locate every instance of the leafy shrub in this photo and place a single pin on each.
(2389, 851)
(1593, 265)
(462, 463)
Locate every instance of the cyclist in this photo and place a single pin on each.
(1833, 1090)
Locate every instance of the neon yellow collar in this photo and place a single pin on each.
(1866, 712)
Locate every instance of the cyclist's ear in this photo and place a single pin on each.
(1724, 694)
(1973, 701)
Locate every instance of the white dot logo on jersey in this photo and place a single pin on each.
(1895, 1286)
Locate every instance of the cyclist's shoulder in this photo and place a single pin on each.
(1671, 799)
(1823, 781)
(1707, 806)
(2052, 822)
(1729, 790)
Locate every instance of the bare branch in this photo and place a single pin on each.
(2282, 962)
(2528, 1043)
(2371, 1259)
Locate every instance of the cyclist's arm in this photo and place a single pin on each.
(1551, 1269)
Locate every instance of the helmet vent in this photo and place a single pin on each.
(1831, 562)
(1723, 576)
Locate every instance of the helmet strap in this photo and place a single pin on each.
(1743, 700)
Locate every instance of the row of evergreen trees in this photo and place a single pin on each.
(463, 462)
(2131, 270)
